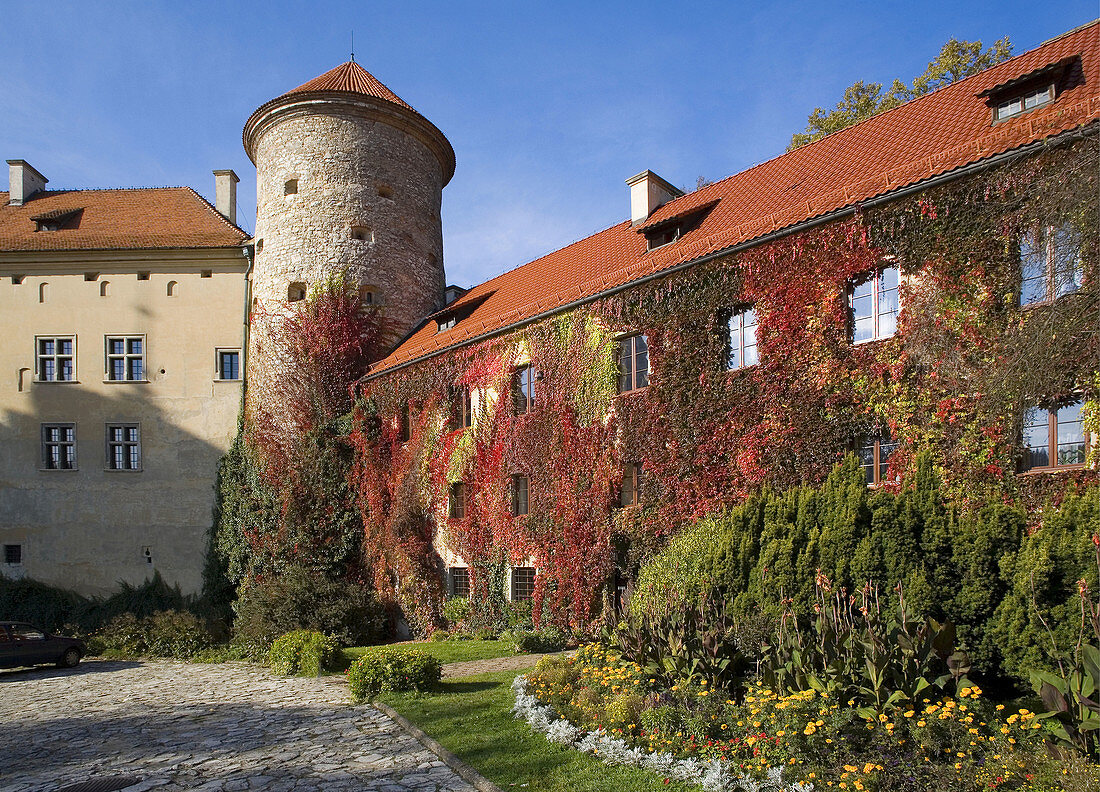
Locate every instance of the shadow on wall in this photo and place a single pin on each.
(90, 527)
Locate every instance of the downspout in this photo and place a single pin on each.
(249, 253)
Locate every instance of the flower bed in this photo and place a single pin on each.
(596, 702)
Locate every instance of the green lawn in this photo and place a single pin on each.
(472, 718)
(445, 651)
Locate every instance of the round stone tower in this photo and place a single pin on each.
(348, 178)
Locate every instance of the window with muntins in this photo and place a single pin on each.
(460, 581)
(125, 358)
(55, 359)
(229, 364)
(633, 363)
(632, 479)
(1021, 104)
(463, 400)
(1050, 264)
(520, 492)
(456, 501)
(873, 303)
(59, 446)
(523, 390)
(874, 454)
(523, 584)
(13, 554)
(123, 447)
(1054, 438)
(743, 339)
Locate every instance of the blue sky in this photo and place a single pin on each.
(549, 106)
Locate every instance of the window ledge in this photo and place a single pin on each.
(55, 382)
(1038, 471)
(739, 369)
(872, 340)
(219, 379)
(123, 470)
(127, 382)
(632, 391)
(59, 470)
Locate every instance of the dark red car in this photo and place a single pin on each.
(23, 644)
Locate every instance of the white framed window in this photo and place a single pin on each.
(1023, 102)
(123, 446)
(228, 364)
(523, 389)
(1050, 264)
(125, 358)
(873, 304)
(633, 363)
(743, 351)
(55, 358)
(59, 446)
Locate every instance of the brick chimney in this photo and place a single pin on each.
(225, 190)
(649, 192)
(23, 181)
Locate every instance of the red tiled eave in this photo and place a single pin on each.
(930, 137)
(352, 78)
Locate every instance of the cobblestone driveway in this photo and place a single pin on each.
(180, 726)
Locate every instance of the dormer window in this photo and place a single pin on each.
(662, 236)
(446, 322)
(1021, 104)
(1031, 90)
(57, 220)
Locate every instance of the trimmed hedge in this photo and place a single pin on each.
(974, 568)
(393, 669)
(303, 653)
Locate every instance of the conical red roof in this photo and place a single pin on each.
(353, 78)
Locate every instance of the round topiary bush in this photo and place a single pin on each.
(393, 668)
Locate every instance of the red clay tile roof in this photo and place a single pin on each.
(353, 78)
(927, 137)
(161, 217)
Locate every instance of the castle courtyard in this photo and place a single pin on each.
(218, 728)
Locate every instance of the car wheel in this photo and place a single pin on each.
(70, 658)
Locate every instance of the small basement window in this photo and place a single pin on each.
(295, 292)
(290, 187)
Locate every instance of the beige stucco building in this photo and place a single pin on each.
(122, 319)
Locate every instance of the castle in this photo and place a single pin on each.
(126, 318)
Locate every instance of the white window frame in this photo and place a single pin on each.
(218, 364)
(1050, 254)
(875, 278)
(635, 375)
(125, 356)
(126, 445)
(876, 443)
(45, 444)
(39, 358)
(737, 331)
(1052, 424)
(1022, 103)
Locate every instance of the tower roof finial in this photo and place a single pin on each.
(353, 46)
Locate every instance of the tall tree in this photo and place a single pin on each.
(957, 59)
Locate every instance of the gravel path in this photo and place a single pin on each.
(217, 728)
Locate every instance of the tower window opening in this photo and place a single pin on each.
(296, 292)
(16, 280)
(206, 274)
(385, 191)
(105, 289)
(290, 187)
(362, 233)
(171, 291)
(91, 276)
(143, 276)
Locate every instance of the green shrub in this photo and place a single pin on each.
(300, 600)
(519, 615)
(176, 634)
(441, 635)
(303, 653)
(976, 568)
(548, 639)
(486, 634)
(456, 610)
(393, 669)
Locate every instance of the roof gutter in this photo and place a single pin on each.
(813, 222)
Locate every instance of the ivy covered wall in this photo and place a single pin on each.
(955, 381)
